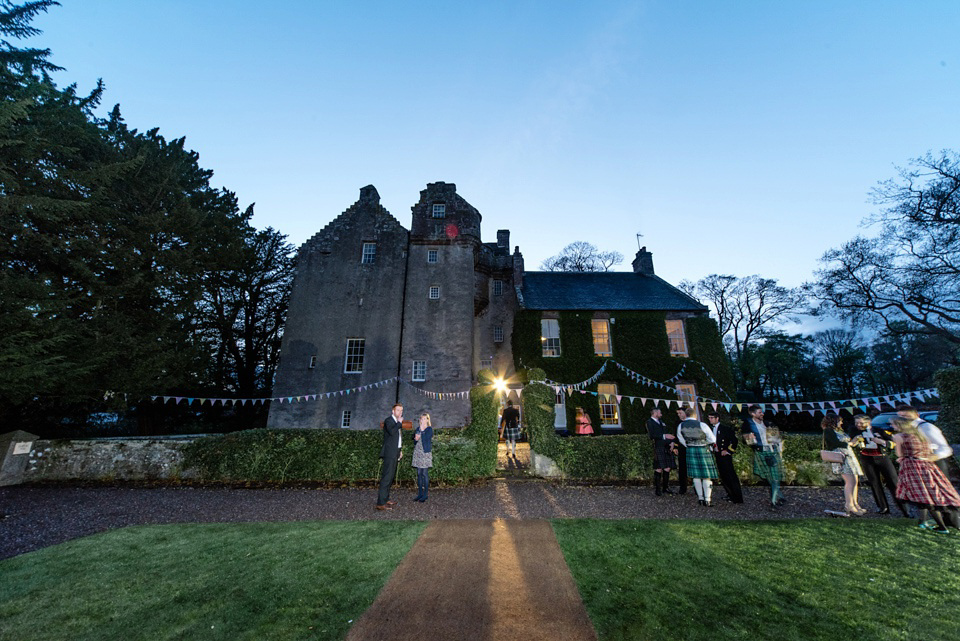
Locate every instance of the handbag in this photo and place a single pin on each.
(829, 456)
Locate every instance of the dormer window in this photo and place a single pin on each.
(440, 211)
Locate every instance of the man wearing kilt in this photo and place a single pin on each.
(697, 437)
(663, 460)
(510, 424)
(767, 461)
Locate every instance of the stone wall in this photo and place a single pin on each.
(106, 460)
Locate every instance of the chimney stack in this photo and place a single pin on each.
(643, 263)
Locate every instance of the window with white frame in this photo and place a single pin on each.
(601, 337)
(345, 419)
(677, 338)
(609, 406)
(498, 334)
(313, 362)
(560, 410)
(688, 396)
(353, 361)
(439, 211)
(550, 336)
(498, 288)
(434, 292)
(419, 370)
(369, 253)
(433, 256)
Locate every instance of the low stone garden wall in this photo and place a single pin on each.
(106, 460)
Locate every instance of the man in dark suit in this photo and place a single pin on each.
(390, 452)
(663, 460)
(726, 445)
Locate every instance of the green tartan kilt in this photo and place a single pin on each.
(767, 465)
(700, 464)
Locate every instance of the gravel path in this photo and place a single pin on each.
(37, 517)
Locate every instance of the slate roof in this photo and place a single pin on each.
(603, 291)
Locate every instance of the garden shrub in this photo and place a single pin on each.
(948, 384)
(344, 456)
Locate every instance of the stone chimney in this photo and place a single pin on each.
(643, 263)
(369, 194)
(517, 267)
(503, 239)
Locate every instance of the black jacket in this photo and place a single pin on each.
(391, 438)
(726, 438)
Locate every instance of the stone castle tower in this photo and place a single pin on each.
(372, 302)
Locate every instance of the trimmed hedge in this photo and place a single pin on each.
(344, 456)
(628, 457)
(948, 383)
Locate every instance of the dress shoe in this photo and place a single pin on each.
(667, 490)
(884, 510)
(391, 503)
(384, 507)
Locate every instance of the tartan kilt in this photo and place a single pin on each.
(767, 465)
(922, 482)
(700, 463)
(512, 433)
(662, 456)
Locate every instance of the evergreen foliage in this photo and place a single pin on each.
(948, 384)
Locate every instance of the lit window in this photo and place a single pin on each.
(498, 334)
(434, 292)
(369, 253)
(353, 363)
(677, 338)
(550, 336)
(498, 288)
(313, 362)
(419, 370)
(433, 256)
(345, 419)
(601, 337)
(688, 396)
(439, 211)
(609, 408)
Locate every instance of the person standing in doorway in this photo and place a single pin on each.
(582, 424)
(663, 460)
(510, 424)
(423, 456)
(390, 452)
(726, 447)
(767, 451)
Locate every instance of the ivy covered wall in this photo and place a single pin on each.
(639, 342)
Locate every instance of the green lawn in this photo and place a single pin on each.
(834, 580)
(259, 581)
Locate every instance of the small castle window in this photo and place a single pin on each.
(440, 211)
(353, 362)
(498, 288)
(498, 334)
(345, 419)
(433, 256)
(369, 253)
(419, 371)
(434, 292)
(486, 363)
(313, 362)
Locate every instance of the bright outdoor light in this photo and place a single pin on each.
(499, 384)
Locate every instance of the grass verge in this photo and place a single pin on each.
(262, 581)
(797, 580)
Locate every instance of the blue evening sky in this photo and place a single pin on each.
(738, 137)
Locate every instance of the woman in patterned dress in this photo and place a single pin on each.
(921, 482)
(836, 440)
(423, 456)
(697, 437)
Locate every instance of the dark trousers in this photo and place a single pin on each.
(423, 481)
(880, 471)
(729, 478)
(387, 475)
(682, 468)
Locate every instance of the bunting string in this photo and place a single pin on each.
(300, 398)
